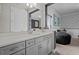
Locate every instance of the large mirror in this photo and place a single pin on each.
(35, 17)
(14, 16)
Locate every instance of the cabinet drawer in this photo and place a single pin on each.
(39, 39)
(22, 52)
(11, 48)
(33, 50)
(47, 37)
(30, 42)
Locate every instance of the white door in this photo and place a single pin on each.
(42, 48)
(33, 50)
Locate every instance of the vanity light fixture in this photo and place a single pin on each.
(31, 5)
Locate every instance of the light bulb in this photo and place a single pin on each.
(31, 6)
(27, 4)
(35, 4)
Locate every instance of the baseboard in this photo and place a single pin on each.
(50, 53)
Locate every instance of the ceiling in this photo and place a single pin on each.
(65, 8)
(61, 8)
(23, 5)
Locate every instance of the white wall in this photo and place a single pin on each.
(4, 18)
(70, 20)
(13, 18)
(0, 18)
(71, 23)
(18, 19)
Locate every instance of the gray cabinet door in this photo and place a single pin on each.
(30, 42)
(42, 48)
(32, 50)
(12, 48)
(53, 41)
(22, 52)
(49, 45)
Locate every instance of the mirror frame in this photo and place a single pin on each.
(29, 26)
(46, 12)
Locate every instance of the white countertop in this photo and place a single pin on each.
(11, 38)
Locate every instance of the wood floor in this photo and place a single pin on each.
(71, 49)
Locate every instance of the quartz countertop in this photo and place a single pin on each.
(11, 38)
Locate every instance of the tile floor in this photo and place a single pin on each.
(71, 49)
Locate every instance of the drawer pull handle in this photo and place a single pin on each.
(40, 47)
(12, 49)
(22, 54)
(28, 43)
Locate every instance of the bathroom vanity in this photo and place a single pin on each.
(22, 43)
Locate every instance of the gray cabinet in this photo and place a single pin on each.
(33, 50)
(22, 52)
(50, 43)
(31, 47)
(53, 41)
(30, 42)
(42, 48)
(39, 39)
(49, 46)
(12, 48)
(36, 46)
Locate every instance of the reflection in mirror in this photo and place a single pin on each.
(34, 23)
(53, 17)
(36, 19)
(39, 15)
(14, 16)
